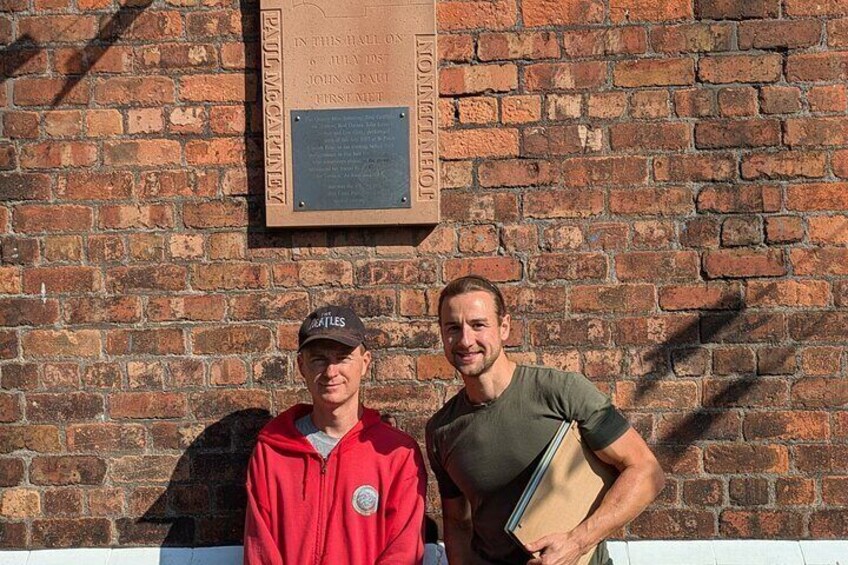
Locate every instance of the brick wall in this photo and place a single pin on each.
(660, 185)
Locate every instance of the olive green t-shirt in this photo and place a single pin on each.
(488, 452)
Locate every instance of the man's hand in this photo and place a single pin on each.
(556, 549)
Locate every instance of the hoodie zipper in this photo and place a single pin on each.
(322, 527)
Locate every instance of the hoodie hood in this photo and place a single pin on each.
(282, 434)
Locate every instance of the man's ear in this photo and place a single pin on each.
(366, 360)
(506, 325)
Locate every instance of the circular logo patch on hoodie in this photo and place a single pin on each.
(365, 500)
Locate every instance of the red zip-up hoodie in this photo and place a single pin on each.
(363, 505)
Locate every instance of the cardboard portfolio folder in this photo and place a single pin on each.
(566, 487)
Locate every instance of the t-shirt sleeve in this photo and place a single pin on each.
(447, 488)
(599, 421)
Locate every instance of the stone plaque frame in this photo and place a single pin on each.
(357, 56)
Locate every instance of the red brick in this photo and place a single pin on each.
(654, 72)
(664, 329)
(517, 172)
(55, 154)
(602, 105)
(741, 458)
(28, 312)
(816, 8)
(472, 143)
(817, 197)
(818, 459)
(50, 29)
(478, 110)
(687, 168)
(780, 99)
(652, 201)
(691, 38)
(218, 214)
(657, 395)
(159, 25)
(817, 326)
(32, 438)
(569, 266)
(104, 438)
(561, 140)
(499, 269)
(817, 67)
(147, 91)
(231, 340)
(675, 524)
(761, 524)
(64, 407)
(779, 34)
(164, 341)
(791, 293)
(835, 490)
(649, 10)
(703, 492)
(458, 48)
(477, 79)
(143, 153)
(146, 278)
(734, 10)
(398, 272)
(99, 60)
(737, 133)
(562, 12)
(657, 266)
(829, 230)
(816, 131)
(147, 405)
(71, 533)
(794, 491)
(613, 299)
(740, 68)
(739, 199)
(837, 33)
(521, 109)
(744, 263)
(661, 136)
(832, 98)
(95, 186)
(734, 102)
(809, 426)
(218, 403)
(784, 165)
(821, 361)
(565, 76)
(67, 470)
(526, 45)
(743, 327)
(20, 125)
(193, 308)
(570, 332)
(61, 280)
(563, 203)
(535, 300)
(649, 104)
(322, 272)
(784, 229)
(600, 171)
(103, 123)
(62, 343)
(147, 468)
(705, 296)
(486, 14)
(230, 276)
(218, 88)
(177, 56)
(63, 123)
(818, 392)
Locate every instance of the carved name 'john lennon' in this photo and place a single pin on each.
(350, 102)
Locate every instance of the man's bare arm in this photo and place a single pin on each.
(639, 483)
(456, 514)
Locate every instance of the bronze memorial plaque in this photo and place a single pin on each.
(349, 90)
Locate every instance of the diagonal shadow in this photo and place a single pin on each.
(109, 33)
(16, 55)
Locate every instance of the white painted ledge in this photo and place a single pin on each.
(697, 552)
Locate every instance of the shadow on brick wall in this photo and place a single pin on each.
(204, 502)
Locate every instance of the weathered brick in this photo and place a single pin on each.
(744, 263)
(69, 406)
(737, 133)
(144, 278)
(821, 261)
(567, 12)
(705, 296)
(565, 76)
(689, 168)
(505, 46)
(488, 14)
(613, 299)
(784, 229)
(105, 438)
(691, 38)
(675, 524)
(745, 327)
(659, 265)
(62, 343)
(772, 34)
(780, 99)
(473, 143)
(145, 405)
(790, 293)
(739, 199)
(67, 470)
(648, 331)
(741, 458)
(654, 72)
(733, 10)
(817, 67)
(231, 340)
(662, 136)
(219, 403)
(651, 201)
(567, 203)
(477, 79)
(806, 132)
(70, 533)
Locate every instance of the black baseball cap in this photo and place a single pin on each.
(336, 323)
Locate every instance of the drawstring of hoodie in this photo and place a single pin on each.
(305, 461)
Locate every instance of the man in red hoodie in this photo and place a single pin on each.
(330, 483)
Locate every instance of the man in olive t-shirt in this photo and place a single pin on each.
(485, 442)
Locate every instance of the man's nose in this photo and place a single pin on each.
(332, 369)
(466, 338)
